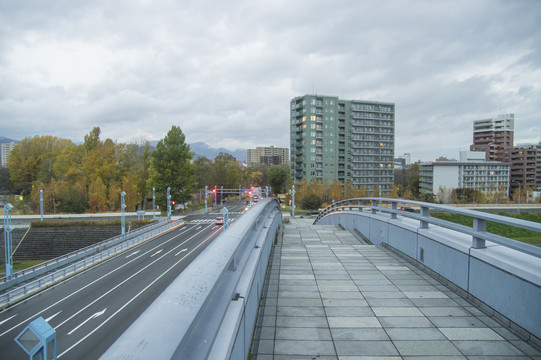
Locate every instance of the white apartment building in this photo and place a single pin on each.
(5, 149)
(472, 171)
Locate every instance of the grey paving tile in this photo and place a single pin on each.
(389, 302)
(470, 348)
(372, 348)
(470, 334)
(356, 334)
(291, 333)
(353, 321)
(458, 322)
(349, 311)
(300, 311)
(426, 333)
(302, 321)
(444, 311)
(426, 347)
(299, 302)
(304, 347)
(396, 311)
(405, 321)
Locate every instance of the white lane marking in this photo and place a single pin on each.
(156, 253)
(99, 313)
(133, 253)
(6, 320)
(186, 249)
(53, 316)
(136, 296)
(89, 284)
(197, 228)
(127, 279)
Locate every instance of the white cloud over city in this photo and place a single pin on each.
(225, 71)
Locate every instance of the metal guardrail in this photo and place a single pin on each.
(36, 270)
(103, 250)
(478, 232)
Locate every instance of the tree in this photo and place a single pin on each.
(202, 169)
(311, 201)
(225, 171)
(171, 167)
(277, 178)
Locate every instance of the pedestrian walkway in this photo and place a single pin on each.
(329, 296)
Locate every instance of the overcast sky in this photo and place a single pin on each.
(225, 71)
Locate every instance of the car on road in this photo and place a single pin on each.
(219, 220)
(407, 208)
(312, 212)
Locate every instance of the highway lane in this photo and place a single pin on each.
(90, 310)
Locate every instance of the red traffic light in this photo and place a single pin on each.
(213, 190)
(249, 193)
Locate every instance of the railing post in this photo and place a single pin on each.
(481, 226)
(373, 206)
(425, 212)
(393, 207)
(350, 205)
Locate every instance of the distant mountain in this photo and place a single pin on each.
(4, 140)
(202, 149)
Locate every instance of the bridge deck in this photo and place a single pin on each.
(328, 296)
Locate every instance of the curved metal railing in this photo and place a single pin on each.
(395, 207)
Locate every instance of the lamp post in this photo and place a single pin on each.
(41, 204)
(206, 193)
(168, 202)
(7, 241)
(293, 201)
(221, 195)
(153, 203)
(122, 215)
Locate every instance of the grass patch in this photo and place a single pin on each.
(25, 264)
(527, 236)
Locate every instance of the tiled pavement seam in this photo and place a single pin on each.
(328, 297)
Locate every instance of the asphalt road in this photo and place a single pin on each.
(91, 310)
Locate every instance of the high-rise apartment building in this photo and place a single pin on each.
(524, 166)
(495, 137)
(538, 170)
(5, 149)
(267, 155)
(334, 139)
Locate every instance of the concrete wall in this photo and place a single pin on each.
(504, 280)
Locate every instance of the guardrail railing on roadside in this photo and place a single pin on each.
(103, 250)
(478, 232)
(46, 266)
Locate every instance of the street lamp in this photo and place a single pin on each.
(122, 215)
(7, 240)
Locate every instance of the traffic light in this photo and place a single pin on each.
(250, 193)
(214, 190)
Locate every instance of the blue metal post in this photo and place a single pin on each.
(168, 202)
(122, 215)
(153, 204)
(215, 195)
(206, 193)
(267, 191)
(7, 241)
(239, 191)
(293, 201)
(221, 195)
(41, 204)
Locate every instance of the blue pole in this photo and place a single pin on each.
(122, 215)
(206, 193)
(221, 195)
(239, 191)
(41, 204)
(8, 241)
(153, 204)
(293, 201)
(215, 195)
(169, 202)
